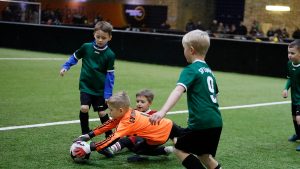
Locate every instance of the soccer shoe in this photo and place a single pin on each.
(293, 138)
(136, 158)
(169, 150)
(107, 152)
(298, 148)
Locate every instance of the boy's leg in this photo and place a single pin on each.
(209, 161)
(84, 119)
(104, 118)
(85, 100)
(122, 143)
(296, 136)
(99, 105)
(189, 161)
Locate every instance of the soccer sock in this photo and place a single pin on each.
(84, 122)
(297, 128)
(116, 147)
(103, 120)
(192, 162)
(125, 142)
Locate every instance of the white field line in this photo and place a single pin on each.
(175, 112)
(46, 59)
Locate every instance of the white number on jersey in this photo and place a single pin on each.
(210, 83)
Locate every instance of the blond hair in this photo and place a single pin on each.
(119, 100)
(103, 26)
(197, 39)
(146, 93)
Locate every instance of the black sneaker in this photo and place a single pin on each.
(294, 138)
(107, 152)
(137, 158)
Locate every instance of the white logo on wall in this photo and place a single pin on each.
(138, 13)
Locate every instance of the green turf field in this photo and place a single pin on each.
(32, 92)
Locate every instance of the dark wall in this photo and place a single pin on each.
(259, 58)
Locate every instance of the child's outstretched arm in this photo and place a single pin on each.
(286, 88)
(71, 62)
(171, 101)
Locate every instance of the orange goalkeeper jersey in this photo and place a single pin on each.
(135, 123)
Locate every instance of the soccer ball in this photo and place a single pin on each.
(85, 146)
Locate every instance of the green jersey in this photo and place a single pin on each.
(200, 84)
(96, 63)
(294, 77)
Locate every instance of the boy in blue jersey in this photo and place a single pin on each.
(97, 74)
(198, 145)
(293, 82)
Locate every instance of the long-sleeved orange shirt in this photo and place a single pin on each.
(135, 123)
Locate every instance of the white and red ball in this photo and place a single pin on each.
(80, 144)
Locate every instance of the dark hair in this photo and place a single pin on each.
(296, 44)
(146, 93)
(104, 26)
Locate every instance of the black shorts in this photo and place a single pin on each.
(199, 142)
(98, 102)
(295, 110)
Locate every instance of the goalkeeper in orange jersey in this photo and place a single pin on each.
(130, 122)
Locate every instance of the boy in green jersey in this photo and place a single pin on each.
(97, 74)
(293, 82)
(198, 144)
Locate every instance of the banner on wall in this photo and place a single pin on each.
(149, 16)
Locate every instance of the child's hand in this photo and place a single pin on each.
(62, 72)
(156, 117)
(285, 93)
(84, 137)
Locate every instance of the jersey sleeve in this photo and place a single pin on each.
(80, 53)
(111, 62)
(123, 129)
(108, 125)
(186, 77)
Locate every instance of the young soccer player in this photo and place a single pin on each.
(144, 99)
(293, 82)
(199, 144)
(97, 74)
(130, 122)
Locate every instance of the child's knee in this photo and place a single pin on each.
(84, 108)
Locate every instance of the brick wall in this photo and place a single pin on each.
(255, 10)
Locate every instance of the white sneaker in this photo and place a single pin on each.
(169, 149)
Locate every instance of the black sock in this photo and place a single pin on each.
(297, 129)
(84, 122)
(218, 167)
(192, 162)
(103, 120)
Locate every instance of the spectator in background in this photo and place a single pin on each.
(7, 14)
(296, 33)
(270, 32)
(200, 26)
(221, 28)
(214, 26)
(233, 29)
(285, 34)
(242, 29)
(189, 26)
(165, 25)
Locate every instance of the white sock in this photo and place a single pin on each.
(116, 147)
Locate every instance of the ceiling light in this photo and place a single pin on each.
(277, 8)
